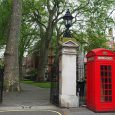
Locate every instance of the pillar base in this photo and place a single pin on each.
(68, 101)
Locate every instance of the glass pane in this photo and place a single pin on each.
(105, 73)
(109, 80)
(102, 68)
(102, 80)
(110, 92)
(106, 80)
(106, 98)
(109, 74)
(110, 98)
(105, 68)
(106, 86)
(106, 92)
(110, 86)
(109, 68)
(102, 73)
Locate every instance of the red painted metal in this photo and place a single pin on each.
(100, 80)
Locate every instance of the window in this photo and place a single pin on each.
(106, 83)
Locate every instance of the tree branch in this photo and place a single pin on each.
(37, 18)
(48, 6)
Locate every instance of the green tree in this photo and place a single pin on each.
(29, 36)
(95, 17)
(45, 14)
(5, 12)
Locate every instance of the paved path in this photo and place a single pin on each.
(31, 101)
(30, 96)
(35, 101)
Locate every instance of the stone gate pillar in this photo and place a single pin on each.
(67, 74)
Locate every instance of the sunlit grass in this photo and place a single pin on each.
(37, 84)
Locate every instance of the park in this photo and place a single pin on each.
(57, 56)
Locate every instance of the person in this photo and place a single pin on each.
(81, 89)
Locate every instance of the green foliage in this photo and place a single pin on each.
(29, 30)
(91, 40)
(29, 35)
(95, 18)
(5, 12)
(32, 75)
(1, 63)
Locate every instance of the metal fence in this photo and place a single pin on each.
(54, 90)
(81, 82)
(1, 84)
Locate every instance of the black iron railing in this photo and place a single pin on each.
(54, 91)
(1, 84)
(81, 82)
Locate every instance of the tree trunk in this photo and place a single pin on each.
(42, 65)
(45, 41)
(21, 69)
(11, 74)
(42, 60)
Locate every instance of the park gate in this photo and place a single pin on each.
(54, 76)
(1, 84)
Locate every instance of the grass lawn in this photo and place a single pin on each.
(37, 84)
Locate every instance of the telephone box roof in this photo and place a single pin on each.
(100, 52)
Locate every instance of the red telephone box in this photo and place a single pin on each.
(100, 80)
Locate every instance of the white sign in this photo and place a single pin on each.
(105, 58)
